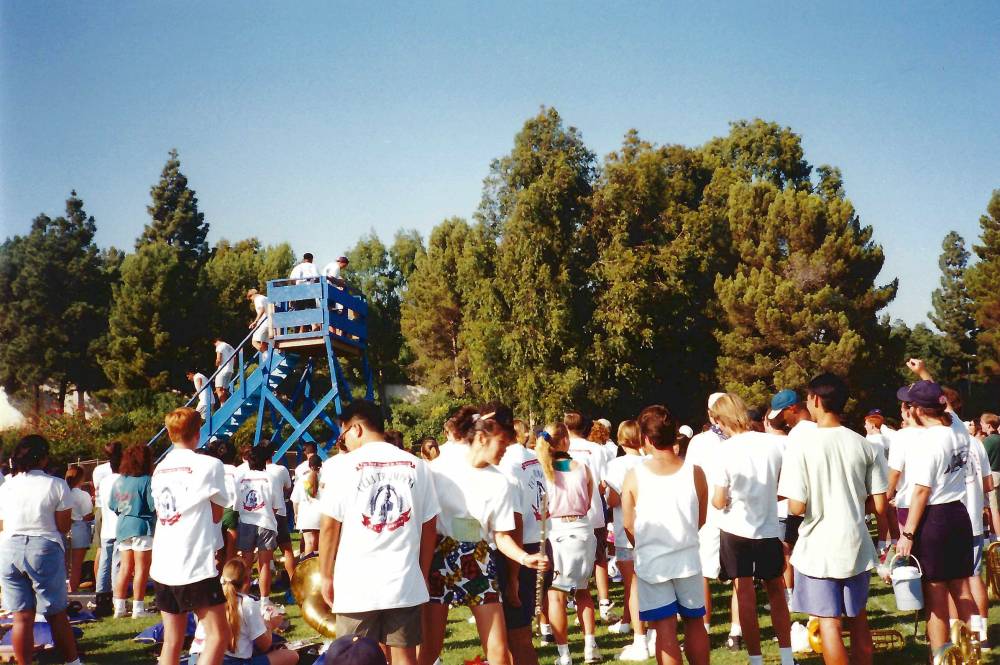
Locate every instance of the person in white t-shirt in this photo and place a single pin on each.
(203, 391)
(477, 509)
(703, 451)
(113, 451)
(35, 510)
(937, 530)
(283, 480)
(190, 494)
(109, 567)
(458, 430)
(258, 498)
(308, 452)
(828, 479)
(333, 269)
(249, 629)
(888, 526)
(306, 501)
(82, 531)
(593, 454)
(378, 524)
(630, 440)
(305, 272)
(664, 503)
(259, 325)
(225, 357)
(745, 491)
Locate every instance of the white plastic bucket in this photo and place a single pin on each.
(906, 584)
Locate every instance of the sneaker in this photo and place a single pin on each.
(144, 612)
(605, 610)
(620, 628)
(591, 655)
(634, 653)
(734, 643)
(563, 660)
(651, 643)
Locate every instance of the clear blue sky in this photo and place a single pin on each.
(317, 122)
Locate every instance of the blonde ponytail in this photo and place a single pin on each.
(234, 577)
(553, 437)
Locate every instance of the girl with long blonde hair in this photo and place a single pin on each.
(247, 626)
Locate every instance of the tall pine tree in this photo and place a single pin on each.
(953, 313)
(983, 279)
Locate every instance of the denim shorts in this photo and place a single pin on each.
(81, 535)
(32, 575)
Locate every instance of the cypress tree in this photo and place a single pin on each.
(982, 279)
(953, 312)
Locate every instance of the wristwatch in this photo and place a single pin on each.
(906, 535)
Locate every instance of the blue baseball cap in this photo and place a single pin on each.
(782, 401)
(353, 650)
(922, 393)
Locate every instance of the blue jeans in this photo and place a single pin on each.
(110, 560)
(32, 574)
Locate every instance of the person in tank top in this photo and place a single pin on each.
(572, 537)
(664, 502)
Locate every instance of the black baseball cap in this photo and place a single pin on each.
(353, 650)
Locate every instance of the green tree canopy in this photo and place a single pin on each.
(953, 312)
(983, 279)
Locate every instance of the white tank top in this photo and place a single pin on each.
(666, 525)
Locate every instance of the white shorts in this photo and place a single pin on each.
(136, 544)
(260, 335)
(708, 550)
(574, 548)
(202, 408)
(222, 379)
(662, 600)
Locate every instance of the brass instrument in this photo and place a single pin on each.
(993, 570)
(948, 654)
(306, 587)
(884, 640)
(967, 643)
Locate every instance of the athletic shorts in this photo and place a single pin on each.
(830, 597)
(520, 615)
(188, 597)
(284, 536)
(601, 553)
(136, 544)
(250, 537)
(977, 554)
(400, 627)
(708, 551)
(943, 542)
(573, 554)
(230, 520)
(624, 554)
(463, 573)
(222, 379)
(748, 557)
(790, 530)
(661, 600)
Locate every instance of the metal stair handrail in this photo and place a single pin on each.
(210, 382)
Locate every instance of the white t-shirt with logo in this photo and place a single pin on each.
(279, 473)
(256, 502)
(252, 626)
(303, 270)
(475, 503)
(833, 473)
(109, 518)
(748, 469)
(184, 487)
(617, 469)
(525, 471)
(901, 450)
(227, 356)
(29, 502)
(940, 462)
(703, 451)
(594, 456)
(82, 506)
(382, 496)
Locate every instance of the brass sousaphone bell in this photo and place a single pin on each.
(307, 587)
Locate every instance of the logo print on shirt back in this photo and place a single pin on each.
(386, 509)
(251, 501)
(166, 507)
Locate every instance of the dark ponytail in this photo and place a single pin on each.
(29, 453)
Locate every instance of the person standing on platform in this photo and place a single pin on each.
(305, 273)
(828, 480)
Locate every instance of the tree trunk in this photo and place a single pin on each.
(81, 404)
(61, 406)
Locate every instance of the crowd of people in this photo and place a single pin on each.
(517, 521)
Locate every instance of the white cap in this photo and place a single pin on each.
(605, 422)
(686, 431)
(713, 398)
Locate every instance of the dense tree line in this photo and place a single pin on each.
(660, 272)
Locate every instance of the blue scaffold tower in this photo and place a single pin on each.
(310, 322)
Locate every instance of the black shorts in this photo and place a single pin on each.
(790, 534)
(762, 558)
(284, 537)
(520, 617)
(188, 597)
(942, 542)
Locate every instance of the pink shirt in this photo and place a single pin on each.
(568, 495)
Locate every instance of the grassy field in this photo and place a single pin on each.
(110, 641)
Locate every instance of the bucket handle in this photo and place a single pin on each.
(895, 557)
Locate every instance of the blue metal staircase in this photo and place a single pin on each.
(245, 396)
